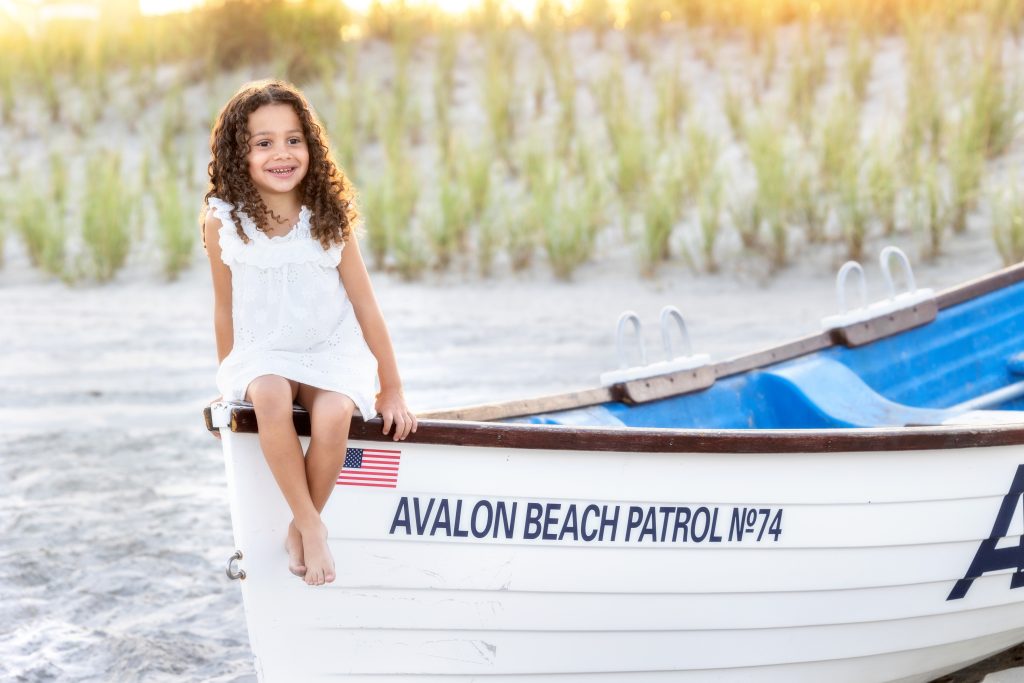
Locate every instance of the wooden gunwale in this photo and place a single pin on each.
(468, 426)
(633, 439)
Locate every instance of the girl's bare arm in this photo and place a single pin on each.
(390, 401)
(221, 288)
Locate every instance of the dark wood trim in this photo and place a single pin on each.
(980, 286)
(588, 439)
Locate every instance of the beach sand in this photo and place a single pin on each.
(114, 526)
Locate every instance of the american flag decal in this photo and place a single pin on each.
(370, 467)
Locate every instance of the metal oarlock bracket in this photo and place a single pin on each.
(677, 374)
(230, 570)
(896, 313)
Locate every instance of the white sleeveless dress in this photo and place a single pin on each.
(290, 313)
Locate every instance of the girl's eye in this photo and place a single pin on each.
(295, 141)
(263, 143)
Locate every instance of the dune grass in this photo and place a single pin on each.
(1008, 221)
(638, 155)
(928, 210)
(471, 167)
(700, 154)
(673, 99)
(565, 92)
(541, 219)
(852, 208)
(881, 183)
(390, 203)
(924, 105)
(858, 64)
(768, 156)
(348, 121)
(658, 211)
(568, 227)
(633, 152)
(499, 90)
(733, 106)
(448, 236)
(965, 159)
(520, 230)
(810, 207)
(411, 257)
(807, 74)
(59, 182)
(444, 88)
(9, 70)
(994, 104)
(176, 228)
(490, 233)
(709, 214)
(768, 62)
(838, 139)
(42, 229)
(375, 205)
(107, 216)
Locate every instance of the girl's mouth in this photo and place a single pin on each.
(281, 172)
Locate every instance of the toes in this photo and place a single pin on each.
(315, 578)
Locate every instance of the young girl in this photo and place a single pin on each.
(294, 313)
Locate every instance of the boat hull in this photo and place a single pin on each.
(558, 564)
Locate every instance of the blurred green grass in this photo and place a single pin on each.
(702, 132)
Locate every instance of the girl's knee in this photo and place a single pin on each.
(271, 395)
(330, 417)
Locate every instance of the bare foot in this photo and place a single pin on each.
(293, 544)
(319, 561)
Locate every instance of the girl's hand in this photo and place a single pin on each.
(393, 410)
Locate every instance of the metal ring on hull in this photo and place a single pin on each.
(233, 574)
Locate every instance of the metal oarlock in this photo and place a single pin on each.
(841, 277)
(871, 321)
(885, 258)
(230, 570)
(620, 338)
(668, 314)
(672, 364)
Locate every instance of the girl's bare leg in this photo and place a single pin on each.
(330, 414)
(272, 398)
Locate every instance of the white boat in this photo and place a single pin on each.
(846, 507)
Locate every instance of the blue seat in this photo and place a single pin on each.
(837, 396)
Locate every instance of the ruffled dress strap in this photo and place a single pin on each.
(231, 245)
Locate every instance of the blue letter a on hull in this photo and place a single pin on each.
(991, 559)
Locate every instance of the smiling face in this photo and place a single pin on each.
(278, 154)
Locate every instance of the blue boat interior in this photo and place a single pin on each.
(970, 357)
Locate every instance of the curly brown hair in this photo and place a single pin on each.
(325, 189)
